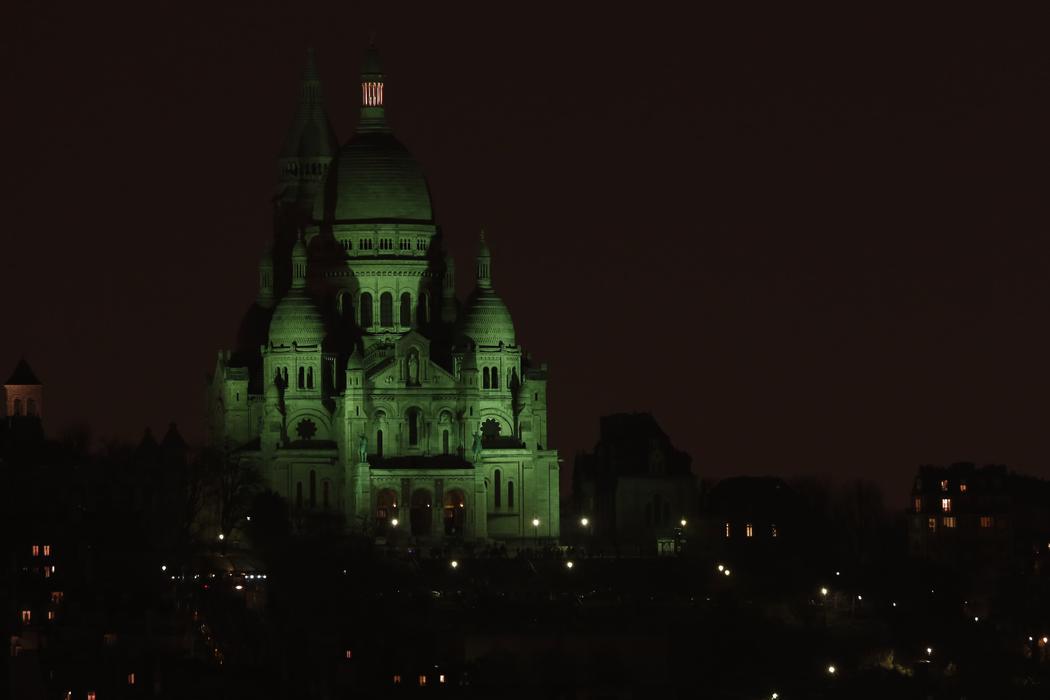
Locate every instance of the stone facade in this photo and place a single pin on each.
(360, 385)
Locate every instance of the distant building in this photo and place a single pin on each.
(22, 404)
(749, 514)
(635, 488)
(23, 393)
(979, 515)
(360, 386)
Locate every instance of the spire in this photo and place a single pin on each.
(484, 266)
(310, 143)
(373, 113)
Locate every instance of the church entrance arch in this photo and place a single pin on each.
(386, 509)
(420, 512)
(455, 513)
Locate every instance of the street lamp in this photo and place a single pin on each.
(584, 522)
(824, 591)
(221, 537)
(393, 522)
(831, 670)
(568, 565)
(683, 525)
(454, 563)
(536, 524)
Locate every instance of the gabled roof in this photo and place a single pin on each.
(23, 376)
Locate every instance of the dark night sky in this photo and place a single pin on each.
(809, 242)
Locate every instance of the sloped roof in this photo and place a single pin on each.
(23, 375)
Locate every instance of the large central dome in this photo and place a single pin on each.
(374, 178)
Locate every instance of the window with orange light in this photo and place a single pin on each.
(47, 550)
(422, 681)
(36, 550)
(27, 616)
(986, 521)
(949, 521)
(946, 505)
(397, 679)
(932, 524)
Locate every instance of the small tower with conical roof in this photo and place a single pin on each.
(23, 393)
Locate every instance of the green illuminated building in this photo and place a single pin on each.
(360, 385)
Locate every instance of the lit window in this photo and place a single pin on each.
(47, 550)
(56, 596)
(727, 528)
(131, 679)
(750, 530)
(349, 654)
(50, 614)
(441, 678)
(946, 505)
(422, 681)
(932, 522)
(397, 679)
(944, 484)
(91, 695)
(962, 488)
(27, 615)
(36, 550)
(774, 530)
(918, 505)
(949, 521)
(986, 521)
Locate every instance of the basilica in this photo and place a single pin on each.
(360, 386)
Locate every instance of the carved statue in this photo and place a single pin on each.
(362, 449)
(413, 368)
(475, 448)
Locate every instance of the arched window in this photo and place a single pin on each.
(366, 310)
(309, 377)
(313, 489)
(444, 442)
(18, 407)
(285, 370)
(325, 486)
(30, 407)
(406, 309)
(495, 377)
(510, 494)
(498, 501)
(485, 378)
(413, 426)
(302, 377)
(347, 308)
(379, 443)
(298, 494)
(386, 310)
(423, 309)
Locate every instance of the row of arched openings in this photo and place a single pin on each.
(326, 488)
(420, 517)
(30, 407)
(386, 310)
(413, 435)
(490, 378)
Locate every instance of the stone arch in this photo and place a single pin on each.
(367, 309)
(386, 508)
(420, 512)
(455, 512)
(386, 309)
(405, 311)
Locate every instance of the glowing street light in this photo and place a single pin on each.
(221, 537)
(775, 695)
(568, 565)
(393, 522)
(454, 564)
(929, 651)
(721, 567)
(726, 572)
(831, 670)
(683, 522)
(163, 567)
(536, 525)
(585, 522)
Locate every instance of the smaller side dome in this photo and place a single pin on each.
(487, 320)
(297, 320)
